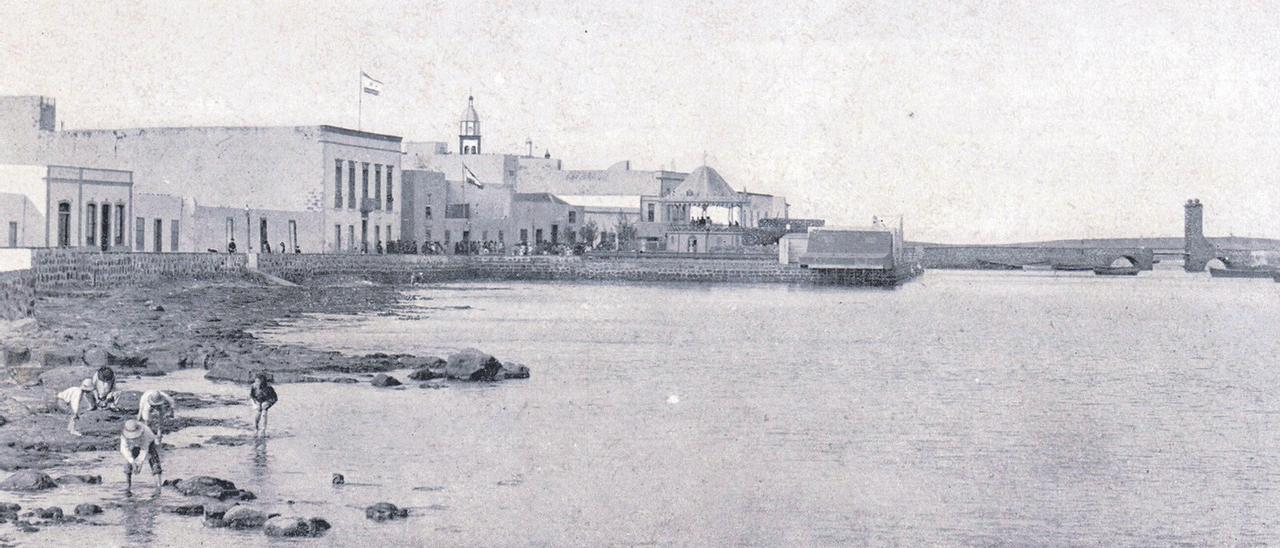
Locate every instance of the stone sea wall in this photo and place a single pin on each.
(53, 269)
(425, 269)
(17, 295)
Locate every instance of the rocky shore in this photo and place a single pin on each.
(153, 331)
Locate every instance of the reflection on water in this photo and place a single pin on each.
(966, 408)
(139, 518)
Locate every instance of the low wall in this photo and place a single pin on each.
(17, 295)
(418, 268)
(968, 256)
(55, 268)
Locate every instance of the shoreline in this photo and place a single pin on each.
(152, 331)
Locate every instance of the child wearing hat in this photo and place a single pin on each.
(263, 397)
(70, 400)
(138, 444)
(154, 407)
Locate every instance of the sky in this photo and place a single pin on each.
(979, 122)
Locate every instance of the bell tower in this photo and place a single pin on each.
(469, 130)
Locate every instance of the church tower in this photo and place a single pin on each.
(469, 130)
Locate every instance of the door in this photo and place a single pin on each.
(264, 243)
(364, 235)
(64, 224)
(13, 234)
(106, 227)
(158, 237)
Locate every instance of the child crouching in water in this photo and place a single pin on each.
(138, 444)
(72, 399)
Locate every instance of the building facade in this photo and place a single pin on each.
(293, 181)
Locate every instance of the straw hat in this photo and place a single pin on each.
(132, 429)
(154, 398)
(86, 384)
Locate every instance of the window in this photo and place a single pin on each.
(337, 237)
(573, 217)
(90, 223)
(337, 184)
(364, 183)
(64, 224)
(158, 236)
(120, 224)
(555, 234)
(351, 184)
(650, 213)
(391, 197)
(500, 239)
(426, 238)
(173, 235)
(537, 234)
(524, 235)
(428, 213)
(13, 234)
(457, 211)
(377, 186)
(139, 234)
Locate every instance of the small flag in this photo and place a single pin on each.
(471, 176)
(369, 85)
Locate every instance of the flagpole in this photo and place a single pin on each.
(360, 100)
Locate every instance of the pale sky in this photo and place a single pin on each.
(988, 122)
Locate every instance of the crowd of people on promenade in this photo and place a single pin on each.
(141, 434)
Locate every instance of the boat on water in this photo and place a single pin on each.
(1116, 271)
(1072, 267)
(1243, 272)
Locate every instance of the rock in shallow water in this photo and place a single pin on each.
(208, 486)
(289, 526)
(244, 517)
(79, 478)
(187, 509)
(88, 509)
(383, 380)
(28, 480)
(383, 511)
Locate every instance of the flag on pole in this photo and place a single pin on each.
(369, 85)
(471, 177)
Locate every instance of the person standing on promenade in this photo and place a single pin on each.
(104, 387)
(153, 408)
(70, 400)
(139, 445)
(263, 397)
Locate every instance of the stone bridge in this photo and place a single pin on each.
(974, 256)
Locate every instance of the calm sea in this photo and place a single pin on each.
(965, 408)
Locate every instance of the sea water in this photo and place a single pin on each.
(962, 408)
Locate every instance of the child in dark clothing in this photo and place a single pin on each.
(263, 397)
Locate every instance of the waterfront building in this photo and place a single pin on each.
(65, 206)
(285, 184)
